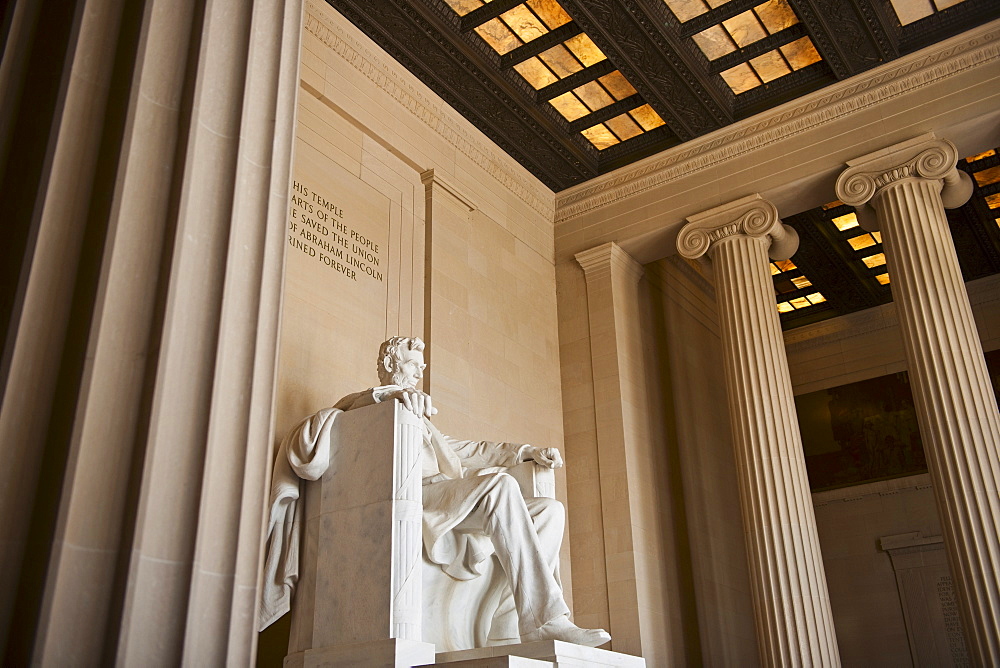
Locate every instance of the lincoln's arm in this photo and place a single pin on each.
(367, 398)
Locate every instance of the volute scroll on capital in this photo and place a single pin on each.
(924, 157)
(751, 216)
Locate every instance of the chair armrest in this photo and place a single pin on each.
(535, 481)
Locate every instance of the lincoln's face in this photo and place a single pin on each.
(409, 368)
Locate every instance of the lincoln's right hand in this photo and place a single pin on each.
(415, 401)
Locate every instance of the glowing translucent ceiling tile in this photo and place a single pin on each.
(617, 85)
(801, 282)
(584, 48)
(883, 279)
(646, 117)
(774, 270)
(785, 307)
(714, 42)
(463, 7)
(980, 156)
(776, 15)
(998, 222)
(783, 265)
(569, 106)
(988, 176)
(551, 12)
(832, 205)
(846, 222)
(740, 78)
(873, 261)
(624, 127)
(909, 11)
(801, 53)
(524, 23)
(561, 61)
(593, 95)
(800, 302)
(600, 136)
(745, 29)
(498, 35)
(716, 3)
(863, 241)
(816, 298)
(769, 66)
(535, 73)
(878, 236)
(993, 201)
(685, 10)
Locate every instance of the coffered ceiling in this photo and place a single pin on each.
(574, 88)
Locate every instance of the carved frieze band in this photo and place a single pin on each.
(753, 216)
(431, 113)
(925, 157)
(976, 48)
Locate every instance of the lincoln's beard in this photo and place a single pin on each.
(398, 377)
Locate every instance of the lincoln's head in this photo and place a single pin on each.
(401, 361)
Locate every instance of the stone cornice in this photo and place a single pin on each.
(970, 50)
(439, 118)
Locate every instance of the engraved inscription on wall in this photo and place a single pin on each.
(952, 622)
(321, 229)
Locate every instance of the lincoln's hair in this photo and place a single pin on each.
(390, 353)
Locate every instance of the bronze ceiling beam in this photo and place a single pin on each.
(606, 113)
(487, 12)
(750, 51)
(540, 44)
(575, 80)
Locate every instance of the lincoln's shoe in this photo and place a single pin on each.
(561, 628)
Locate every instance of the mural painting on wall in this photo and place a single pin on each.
(860, 432)
(865, 431)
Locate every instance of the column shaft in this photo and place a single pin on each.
(791, 602)
(909, 185)
(794, 621)
(956, 409)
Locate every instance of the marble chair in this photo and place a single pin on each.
(366, 593)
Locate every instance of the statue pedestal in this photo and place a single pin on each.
(542, 653)
(392, 653)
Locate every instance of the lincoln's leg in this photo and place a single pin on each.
(527, 546)
(549, 519)
(506, 520)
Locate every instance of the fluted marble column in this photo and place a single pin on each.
(791, 602)
(909, 185)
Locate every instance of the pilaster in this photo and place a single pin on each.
(909, 185)
(791, 603)
(612, 276)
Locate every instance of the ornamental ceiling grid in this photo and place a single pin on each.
(573, 89)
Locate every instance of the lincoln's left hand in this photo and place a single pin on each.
(547, 457)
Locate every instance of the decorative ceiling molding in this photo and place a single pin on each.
(977, 48)
(382, 71)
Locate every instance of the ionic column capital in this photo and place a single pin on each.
(925, 157)
(751, 216)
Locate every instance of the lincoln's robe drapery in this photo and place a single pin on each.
(456, 475)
